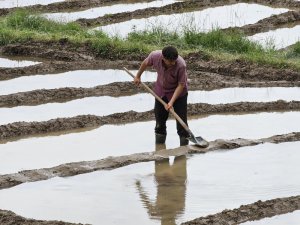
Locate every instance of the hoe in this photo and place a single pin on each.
(199, 141)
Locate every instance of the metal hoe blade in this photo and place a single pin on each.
(198, 141)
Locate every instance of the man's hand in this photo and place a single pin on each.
(169, 106)
(137, 80)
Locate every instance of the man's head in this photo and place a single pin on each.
(170, 55)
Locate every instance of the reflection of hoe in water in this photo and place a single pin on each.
(171, 189)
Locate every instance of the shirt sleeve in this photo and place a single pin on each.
(150, 59)
(182, 76)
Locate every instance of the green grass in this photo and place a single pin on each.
(296, 49)
(22, 26)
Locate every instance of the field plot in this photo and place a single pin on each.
(279, 38)
(16, 3)
(11, 63)
(198, 185)
(77, 142)
(290, 218)
(204, 20)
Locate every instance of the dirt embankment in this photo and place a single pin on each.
(241, 69)
(61, 50)
(10, 218)
(77, 5)
(24, 129)
(178, 7)
(72, 169)
(271, 23)
(204, 82)
(55, 67)
(250, 212)
(204, 74)
(65, 6)
(244, 213)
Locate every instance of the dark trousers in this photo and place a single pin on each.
(161, 115)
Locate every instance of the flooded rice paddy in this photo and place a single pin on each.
(12, 63)
(104, 10)
(78, 78)
(204, 20)
(101, 142)
(22, 3)
(289, 218)
(81, 120)
(279, 38)
(163, 192)
(105, 105)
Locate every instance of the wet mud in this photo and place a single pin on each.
(245, 213)
(25, 129)
(204, 74)
(187, 6)
(273, 22)
(177, 7)
(204, 82)
(250, 212)
(10, 218)
(67, 6)
(76, 168)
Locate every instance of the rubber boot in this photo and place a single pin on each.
(160, 138)
(183, 141)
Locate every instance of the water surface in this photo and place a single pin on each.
(289, 218)
(22, 3)
(204, 20)
(105, 105)
(117, 140)
(101, 11)
(10, 63)
(163, 192)
(279, 38)
(77, 78)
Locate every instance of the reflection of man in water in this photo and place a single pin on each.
(171, 188)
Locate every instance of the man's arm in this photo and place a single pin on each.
(137, 78)
(176, 94)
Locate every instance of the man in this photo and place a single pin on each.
(171, 86)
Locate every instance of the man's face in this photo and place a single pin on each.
(169, 62)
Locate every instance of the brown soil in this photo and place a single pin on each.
(204, 74)
(24, 129)
(71, 5)
(72, 169)
(188, 6)
(273, 22)
(254, 211)
(10, 218)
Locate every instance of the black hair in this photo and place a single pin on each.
(170, 53)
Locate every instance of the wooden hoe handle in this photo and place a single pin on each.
(162, 102)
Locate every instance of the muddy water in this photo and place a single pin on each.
(79, 78)
(230, 95)
(21, 3)
(279, 38)
(111, 140)
(205, 20)
(289, 218)
(101, 11)
(163, 192)
(106, 105)
(9, 63)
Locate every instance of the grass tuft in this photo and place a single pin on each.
(21, 26)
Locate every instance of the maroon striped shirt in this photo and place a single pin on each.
(168, 78)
